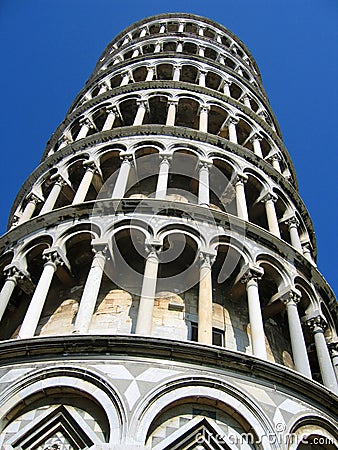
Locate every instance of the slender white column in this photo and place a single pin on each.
(205, 300)
(203, 125)
(13, 275)
(122, 177)
(203, 184)
(274, 159)
(162, 181)
(112, 113)
(90, 291)
(136, 52)
(162, 29)
(143, 32)
(181, 27)
(255, 139)
(318, 325)
(103, 88)
(307, 252)
(126, 78)
(232, 121)
(241, 206)
(158, 47)
(171, 112)
(177, 73)
(33, 201)
(269, 201)
(126, 40)
(146, 306)
(201, 79)
(239, 70)
(221, 59)
(293, 224)
(201, 31)
(250, 278)
(150, 73)
(53, 195)
(334, 356)
(86, 125)
(142, 107)
(37, 302)
(179, 48)
(246, 99)
(299, 352)
(85, 182)
(226, 88)
(64, 141)
(201, 51)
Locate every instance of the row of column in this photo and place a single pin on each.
(142, 106)
(202, 74)
(200, 51)
(181, 29)
(250, 277)
(121, 184)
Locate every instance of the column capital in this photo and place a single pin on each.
(142, 102)
(99, 248)
(150, 67)
(292, 222)
(251, 272)
(86, 121)
(246, 96)
(14, 273)
(289, 296)
(275, 156)
(19, 276)
(317, 324)
(203, 164)
(241, 178)
(65, 139)
(112, 109)
(204, 108)
(153, 247)
(333, 347)
(54, 256)
(206, 259)
(269, 196)
(90, 165)
(227, 82)
(232, 119)
(165, 158)
(256, 137)
(126, 158)
(173, 101)
(58, 179)
(34, 198)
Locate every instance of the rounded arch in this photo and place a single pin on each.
(45, 384)
(304, 430)
(210, 389)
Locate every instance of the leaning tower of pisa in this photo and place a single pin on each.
(159, 287)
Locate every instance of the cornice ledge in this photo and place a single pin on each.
(88, 347)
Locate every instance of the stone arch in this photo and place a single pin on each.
(222, 193)
(62, 393)
(305, 430)
(208, 390)
(189, 73)
(187, 112)
(277, 338)
(254, 191)
(183, 180)
(230, 311)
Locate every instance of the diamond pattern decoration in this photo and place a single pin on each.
(136, 380)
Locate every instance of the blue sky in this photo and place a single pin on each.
(50, 47)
